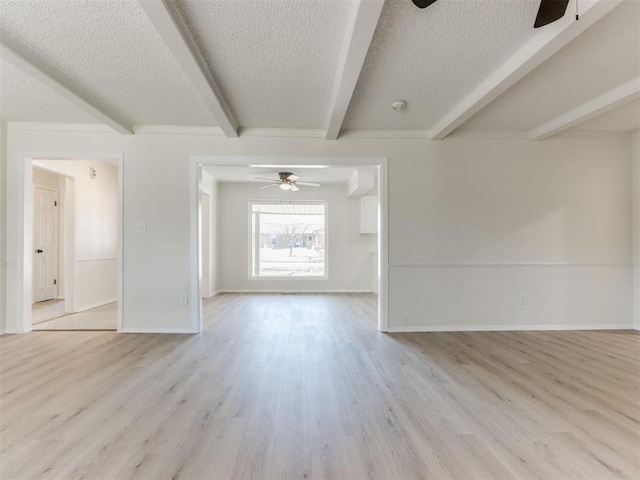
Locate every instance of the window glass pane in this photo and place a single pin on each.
(290, 239)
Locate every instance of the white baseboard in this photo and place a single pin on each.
(10, 331)
(284, 290)
(96, 304)
(212, 294)
(508, 328)
(156, 330)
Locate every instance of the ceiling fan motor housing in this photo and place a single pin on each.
(284, 175)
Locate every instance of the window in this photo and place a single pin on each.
(288, 240)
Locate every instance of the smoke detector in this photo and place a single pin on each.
(399, 105)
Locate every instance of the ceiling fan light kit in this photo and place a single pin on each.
(548, 12)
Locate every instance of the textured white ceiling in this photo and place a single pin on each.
(623, 119)
(432, 58)
(275, 61)
(606, 55)
(25, 99)
(110, 48)
(241, 174)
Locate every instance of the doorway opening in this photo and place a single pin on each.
(75, 245)
(86, 265)
(326, 239)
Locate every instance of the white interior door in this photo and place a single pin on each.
(44, 243)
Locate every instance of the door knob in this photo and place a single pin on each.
(38, 251)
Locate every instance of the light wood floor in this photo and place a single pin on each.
(47, 310)
(303, 386)
(104, 317)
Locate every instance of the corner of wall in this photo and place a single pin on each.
(3, 223)
(636, 228)
(214, 284)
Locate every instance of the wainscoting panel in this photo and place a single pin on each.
(509, 297)
(96, 281)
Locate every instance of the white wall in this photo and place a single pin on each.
(3, 223)
(348, 252)
(493, 221)
(44, 178)
(96, 227)
(210, 186)
(636, 227)
(205, 245)
(555, 211)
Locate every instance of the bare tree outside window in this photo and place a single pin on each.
(288, 240)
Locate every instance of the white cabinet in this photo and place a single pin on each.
(369, 214)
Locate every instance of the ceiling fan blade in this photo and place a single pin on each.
(272, 185)
(423, 3)
(294, 188)
(550, 11)
(308, 184)
(266, 179)
(292, 177)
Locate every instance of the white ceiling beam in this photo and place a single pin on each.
(614, 98)
(20, 56)
(362, 25)
(542, 46)
(171, 27)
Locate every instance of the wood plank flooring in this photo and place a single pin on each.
(104, 317)
(47, 310)
(304, 387)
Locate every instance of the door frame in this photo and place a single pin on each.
(206, 201)
(56, 250)
(19, 281)
(195, 171)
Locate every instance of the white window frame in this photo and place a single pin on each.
(254, 242)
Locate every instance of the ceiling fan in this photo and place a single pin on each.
(548, 12)
(287, 181)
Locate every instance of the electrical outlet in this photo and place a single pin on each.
(184, 299)
(523, 299)
(141, 227)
